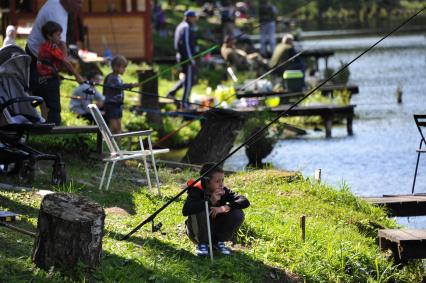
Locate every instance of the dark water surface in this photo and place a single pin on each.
(380, 158)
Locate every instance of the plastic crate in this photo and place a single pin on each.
(293, 80)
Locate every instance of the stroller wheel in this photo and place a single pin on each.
(59, 176)
(27, 172)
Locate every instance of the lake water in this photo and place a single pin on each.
(380, 157)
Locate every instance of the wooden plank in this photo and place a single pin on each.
(315, 110)
(410, 205)
(353, 89)
(401, 235)
(389, 200)
(405, 244)
(327, 112)
(74, 129)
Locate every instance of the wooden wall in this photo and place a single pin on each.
(126, 30)
(122, 34)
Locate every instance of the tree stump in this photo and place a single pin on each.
(69, 231)
(216, 137)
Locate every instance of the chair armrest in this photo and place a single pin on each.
(133, 134)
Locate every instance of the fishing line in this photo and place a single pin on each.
(179, 100)
(217, 104)
(210, 49)
(152, 216)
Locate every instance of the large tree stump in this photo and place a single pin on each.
(69, 230)
(216, 137)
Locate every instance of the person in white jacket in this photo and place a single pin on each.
(10, 38)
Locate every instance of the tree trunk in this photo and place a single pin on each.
(216, 138)
(149, 99)
(69, 231)
(259, 148)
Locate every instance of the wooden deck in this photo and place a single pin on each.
(327, 113)
(353, 89)
(401, 205)
(405, 244)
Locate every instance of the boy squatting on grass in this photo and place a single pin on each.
(114, 93)
(226, 214)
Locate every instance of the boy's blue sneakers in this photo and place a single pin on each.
(220, 247)
(202, 250)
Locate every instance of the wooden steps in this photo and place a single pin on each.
(401, 205)
(405, 244)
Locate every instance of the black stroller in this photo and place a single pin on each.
(19, 118)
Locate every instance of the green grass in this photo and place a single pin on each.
(340, 237)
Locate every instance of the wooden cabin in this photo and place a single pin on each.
(123, 26)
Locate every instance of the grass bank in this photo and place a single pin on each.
(340, 238)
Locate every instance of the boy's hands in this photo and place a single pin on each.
(214, 211)
(216, 196)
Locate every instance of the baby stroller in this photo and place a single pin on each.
(19, 118)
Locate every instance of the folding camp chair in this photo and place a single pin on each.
(116, 154)
(421, 124)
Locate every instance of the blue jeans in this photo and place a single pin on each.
(267, 38)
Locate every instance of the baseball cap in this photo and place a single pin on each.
(190, 13)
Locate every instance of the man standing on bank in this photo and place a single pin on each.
(267, 18)
(185, 47)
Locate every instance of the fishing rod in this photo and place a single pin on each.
(134, 91)
(180, 100)
(255, 135)
(243, 88)
(202, 53)
(17, 229)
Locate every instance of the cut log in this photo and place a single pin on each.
(69, 231)
(217, 136)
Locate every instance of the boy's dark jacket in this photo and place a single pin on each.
(195, 201)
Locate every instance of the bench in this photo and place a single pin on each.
(327, 113)
(405, 244)
(65, 130)
(353, 89)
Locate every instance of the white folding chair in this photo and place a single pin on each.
(116, 154)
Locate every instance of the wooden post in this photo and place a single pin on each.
(318, 175)
(349, 121)
(399, 94)
(69, 231)
(328, 121)
(150, 99)
(303, 227)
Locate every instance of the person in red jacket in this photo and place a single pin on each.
(226, 215)
(50, 62)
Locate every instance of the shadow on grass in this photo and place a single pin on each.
(17, 207)
(181, 263)
(151, 259)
